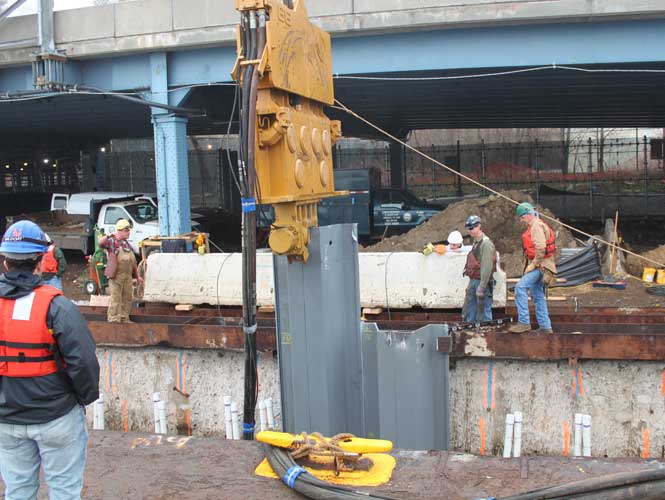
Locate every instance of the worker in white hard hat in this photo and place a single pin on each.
(455, 241)
(121, 267)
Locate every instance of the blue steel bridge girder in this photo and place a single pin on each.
(171, 163)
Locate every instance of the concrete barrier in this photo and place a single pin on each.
(397, 280)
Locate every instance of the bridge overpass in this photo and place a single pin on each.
(404, 65)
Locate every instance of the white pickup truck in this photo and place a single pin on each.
(76, 231)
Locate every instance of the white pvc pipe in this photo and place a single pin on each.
(235, 421)
(227, 417)
(155, 406)
(508, 438)
(98, 413)
(586, 435)
(161, 405)
(270, 414)
(577, 448)
(517, 434)
(263, 417)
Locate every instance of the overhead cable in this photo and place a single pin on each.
(493, 74)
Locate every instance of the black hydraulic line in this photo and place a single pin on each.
(69, 89)
(594, 486)
(257, 42)
(306, 484)
(146, 102)
(656, 290)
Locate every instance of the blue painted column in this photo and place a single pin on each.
(170, 133)
(172, 174)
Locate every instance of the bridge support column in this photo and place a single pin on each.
(172, 174)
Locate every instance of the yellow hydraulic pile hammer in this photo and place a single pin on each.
(294, 138)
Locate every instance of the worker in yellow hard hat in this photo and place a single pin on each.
(121, 267)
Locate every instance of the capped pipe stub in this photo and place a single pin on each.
(327, 143)
(299, 173)
(283, 240)
(324, 173)
(317, 143)
(305, 141)
(291, 139)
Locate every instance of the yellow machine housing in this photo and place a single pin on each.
(294, 138)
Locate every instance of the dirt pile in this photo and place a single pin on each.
(635, 266)
(499, 223)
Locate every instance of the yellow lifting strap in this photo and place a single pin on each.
(350, 444)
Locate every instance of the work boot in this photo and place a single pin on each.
(544, 330)
(519, 328)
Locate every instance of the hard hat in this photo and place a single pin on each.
(455, 238)
(471, 222)
(122, 224)
(525, 208)
(23, 240)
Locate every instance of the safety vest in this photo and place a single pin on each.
(530, 248)
(49, 262)
(472, 265)
(27, 346)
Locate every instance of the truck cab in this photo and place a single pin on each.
(141, 214)
(399, 210)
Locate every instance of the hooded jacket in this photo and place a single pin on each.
(37, 400)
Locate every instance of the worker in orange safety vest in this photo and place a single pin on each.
(48, 373)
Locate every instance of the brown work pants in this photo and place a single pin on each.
(121, 289)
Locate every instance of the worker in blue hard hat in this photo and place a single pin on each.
(539, 245)
(480, 267)
(48, 373)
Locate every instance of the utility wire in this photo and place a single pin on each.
(493, 74)
(487, 188)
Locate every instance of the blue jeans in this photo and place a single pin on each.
(532, 281)
(56, 282)
(475, 309)
(59, 445)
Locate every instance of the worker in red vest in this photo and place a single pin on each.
(539, 245)
(48, 373)
(53, 266)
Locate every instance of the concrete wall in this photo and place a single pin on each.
(148, 25)
(624, 399)
(129, 377)
(398, 280)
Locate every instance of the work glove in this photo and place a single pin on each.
(480, 292)
(428, 249)
(529, 268)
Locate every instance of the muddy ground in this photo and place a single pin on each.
(144, 466)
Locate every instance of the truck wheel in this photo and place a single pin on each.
(91, 287)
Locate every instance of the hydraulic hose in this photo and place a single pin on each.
(656, 290)
(650, 481)
(308, 485)
(250, 90)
